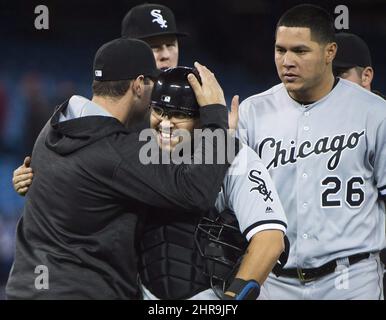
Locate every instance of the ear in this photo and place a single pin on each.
(330, 51)
(367, 77)
(138, 86)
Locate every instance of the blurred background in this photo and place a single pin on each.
(39, 69)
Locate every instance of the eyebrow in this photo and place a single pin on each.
(158, 45)
(295, 48)
(160, 42)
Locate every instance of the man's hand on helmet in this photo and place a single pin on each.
(209, 92)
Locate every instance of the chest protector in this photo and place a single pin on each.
(171, 266)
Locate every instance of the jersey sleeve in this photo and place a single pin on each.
(380, 159)
(249, 192)
(242, 132)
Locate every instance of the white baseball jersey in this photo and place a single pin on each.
(249, 192)
(328, 163)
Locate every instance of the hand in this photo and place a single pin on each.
(22, 177)
(229, 296)
(210, 91)
(233, 116)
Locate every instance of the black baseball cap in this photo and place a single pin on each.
(124, 59)
(352, 52)
(149, 20)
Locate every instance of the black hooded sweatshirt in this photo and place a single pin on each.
(77, 236)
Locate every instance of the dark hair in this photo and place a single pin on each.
(339, 71)
(113, 89)
(310, 16)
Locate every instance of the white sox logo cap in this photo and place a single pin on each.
(158, 18)
(149, 20)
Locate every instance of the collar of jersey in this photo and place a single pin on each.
(307, 107)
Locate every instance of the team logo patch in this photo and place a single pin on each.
(268, 210)
(156, 13)
(261, 186)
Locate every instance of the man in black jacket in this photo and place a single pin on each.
(77, 236)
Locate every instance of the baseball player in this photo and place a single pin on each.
(155, 24)
(323, 140)
(171, 264)
(353, 61)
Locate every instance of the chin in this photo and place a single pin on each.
(293, 86)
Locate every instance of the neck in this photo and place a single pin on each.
(316, 93)
(118, 108)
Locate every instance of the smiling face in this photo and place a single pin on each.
(303, 64)
(167, 127)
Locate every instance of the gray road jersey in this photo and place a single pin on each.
(328, 163)
(249, 192)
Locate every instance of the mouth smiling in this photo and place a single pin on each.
(166, 136)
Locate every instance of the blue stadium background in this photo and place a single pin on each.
(40, 69)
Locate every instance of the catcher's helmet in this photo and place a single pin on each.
(172, 91)
(222, 246)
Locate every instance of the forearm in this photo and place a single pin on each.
(191, 186)
(262, 254)
(206, 179)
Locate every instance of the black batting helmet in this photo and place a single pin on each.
(173, 92)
